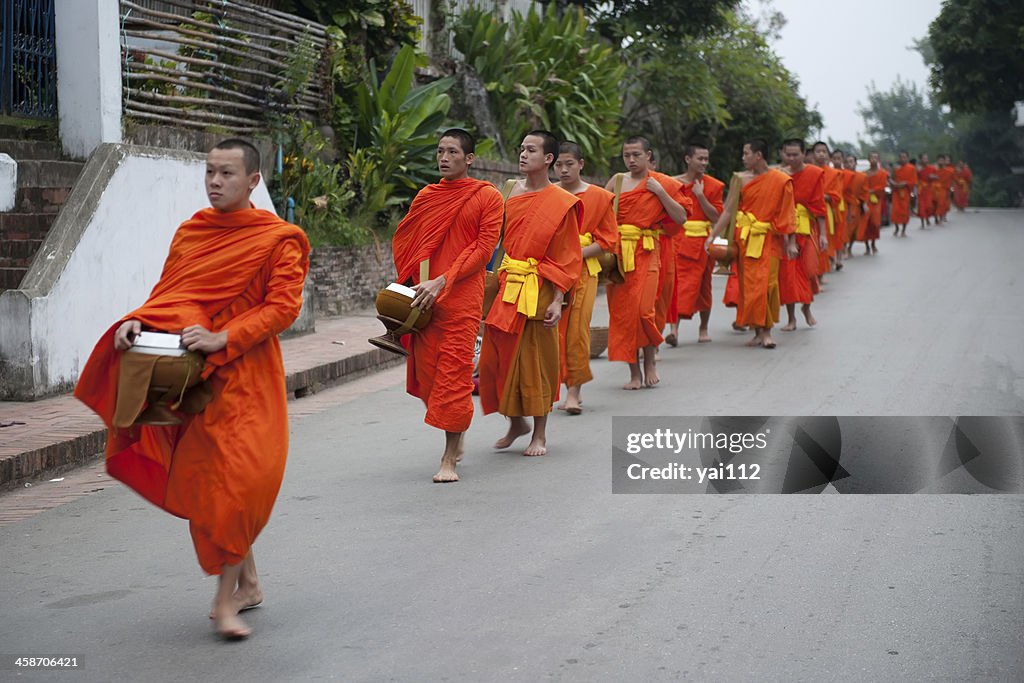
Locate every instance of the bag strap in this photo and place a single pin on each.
(499, 252)
(618, 191)
(732, 204)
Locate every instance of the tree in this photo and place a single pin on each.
(904, 117)
(670, 20)
(978, 54)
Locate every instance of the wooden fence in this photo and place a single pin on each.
(226, 65)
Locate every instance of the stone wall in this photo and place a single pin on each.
(347, 279)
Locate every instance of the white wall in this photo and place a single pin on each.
(88, 74)
(117, 260)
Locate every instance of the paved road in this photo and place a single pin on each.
(530, 569)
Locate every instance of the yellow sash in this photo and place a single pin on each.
(593, 265)
(629, 236)
(831, 220)
(803, 220)
(872, 198)
(697, 228)
(521, 284)
(842, 206)
(753, 232)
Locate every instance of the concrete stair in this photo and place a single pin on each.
(44, 182)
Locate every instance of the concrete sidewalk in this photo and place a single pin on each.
(42, 438)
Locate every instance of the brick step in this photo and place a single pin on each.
(25, 226)
(13, 128)
(10, 278)
(40, 173)
(18, 253)
(22, 150)
(46, 200)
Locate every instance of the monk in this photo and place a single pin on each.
(450, 232)
(648, 203)
(694, 267)
(962, 185)
(798, 276)
(943, 187)
(598, 235)
(926, 176)
(877, 180)
(856, 202)
(232, 282)
(764, 214)
(519, 359)
(833, 206)
(838, 158)
(904, 180)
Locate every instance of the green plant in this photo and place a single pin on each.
(547, 71)
(394, 134)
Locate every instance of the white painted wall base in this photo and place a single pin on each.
(8, 182)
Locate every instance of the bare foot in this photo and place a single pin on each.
(446, 474)
(242, 600)
(229, 626)
(756, 341)
(651, 373)
(738, 327)
(703, 337)
(806, 310)
(768, 342)
(672, 340)
(789, 327)
(515, 430)
(573, 406)
(636, 380)
(538, 446)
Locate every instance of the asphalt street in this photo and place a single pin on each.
(530, 569)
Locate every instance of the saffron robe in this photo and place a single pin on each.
(834, 222)
(857, 198)
(875, 188)
(925, 191)
(798, 277)
(519, 359)
(767, 203)
(632, 304)
(943, 186)
(454, 223)
(221, 469)
(599, 223)
(906, 173)
(962, 187)
(694, 266)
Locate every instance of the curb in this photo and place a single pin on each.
(78, 450)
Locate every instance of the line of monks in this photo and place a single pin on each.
(650, 235)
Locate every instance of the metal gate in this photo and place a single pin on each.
(28, 59)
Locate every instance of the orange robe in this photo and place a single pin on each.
(667, 267)
(876, 183)
(767, 207)
(632, 304)
(798, 278)
(694, 265)
(519, 359)
(925, 192)
(900, 214)
(849, 228)
(856, 198)
(456, 225)
(833, 219)
(943, 187)
(598, 226)
(221, 469)
(962, 187)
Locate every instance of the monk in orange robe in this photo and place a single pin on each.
(450, 232)
(798, 276)
(856, 202)
(943, 187)
(694, 266)
(904, 180)
(232, 282)
(519, 359)
(962, 185)
(926, 176)
(598, 235)
(877, 180)
(843, 218)
(649, 202)
(833, 205)
(765, 220)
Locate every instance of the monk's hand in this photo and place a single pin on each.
(554, 312)
(427, 292)
(198, 338)
(654, 186)
(792, 250)
(823, 243)
(708, 242)
(698, 188)
(126, 334)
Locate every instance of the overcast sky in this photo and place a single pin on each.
(837, 47)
